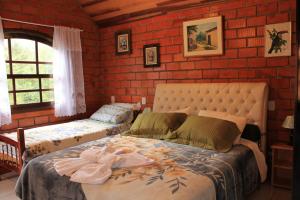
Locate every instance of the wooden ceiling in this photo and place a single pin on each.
(111, 12)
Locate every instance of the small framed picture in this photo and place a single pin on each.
(123, 42)
(278, 39)
(151, 55)
(203, 37)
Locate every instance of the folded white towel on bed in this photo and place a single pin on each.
(94, 165)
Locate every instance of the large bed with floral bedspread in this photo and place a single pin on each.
(179, 171)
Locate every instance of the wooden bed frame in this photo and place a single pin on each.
(11, 152)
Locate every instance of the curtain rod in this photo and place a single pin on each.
(31, 23)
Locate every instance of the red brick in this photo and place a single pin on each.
(277, 61)
(265, 73)
(195, 74)
(248, 52)
(256, 21)
(179, 57)
(257, 62)
(236, 23)
(238, 63)
(236, 43)
(180, 75)
(246, 32)
(210, 73)
(228, 74)
(136, 83)
(202, 64)
(41, 120)
(287, 72)
(229, 34)
(256, 42)
(247, 12)
(219, 64)
(247, 74)
(278, 18)
(165, 75)
(187, 65)
(26, 122)
(267, 8)
(173, 66)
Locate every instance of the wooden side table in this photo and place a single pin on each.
(282, 165)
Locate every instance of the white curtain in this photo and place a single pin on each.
(5, 113)
(68, 72)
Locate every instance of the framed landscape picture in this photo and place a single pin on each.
(151, 55)
(278, 39)
(203, 37)
(123, 42)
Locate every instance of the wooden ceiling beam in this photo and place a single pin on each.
(111, 4)
(127, 18)
(85, 3)
(130, 9)
(110, 12)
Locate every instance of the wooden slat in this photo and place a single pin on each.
(130, 9)
(110, 12)
(111, 4)
(90, 2)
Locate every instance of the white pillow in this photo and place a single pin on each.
(186, 110)
(238, 120)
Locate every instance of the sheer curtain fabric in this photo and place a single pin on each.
(69, 93)
(5, 112)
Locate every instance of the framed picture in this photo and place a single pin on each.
(151, 55)
(278, 39)
(203, 37)
(123, 42)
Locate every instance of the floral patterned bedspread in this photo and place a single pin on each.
(46, 139)
(179, 172)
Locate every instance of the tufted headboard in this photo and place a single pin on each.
(242, 99)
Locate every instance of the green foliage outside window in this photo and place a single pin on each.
(28, 74)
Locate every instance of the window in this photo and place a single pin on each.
(29, 70)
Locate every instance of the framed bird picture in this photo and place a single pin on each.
(278, 39)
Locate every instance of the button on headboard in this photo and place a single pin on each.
(242, 99)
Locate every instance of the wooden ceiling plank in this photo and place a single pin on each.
(129, 10)
(110, 4)
(179, 2)
(126, 19)
(139, 15)
(91, 2)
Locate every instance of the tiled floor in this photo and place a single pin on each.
(7, 191)
(265, 192)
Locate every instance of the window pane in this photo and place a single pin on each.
(6, 54)
(47, 83)
(7, 68)
(48, 96)
(28, 97)
(23, 50)
(10, 84)
(24, 68)
(45, 69)
(11, 99)
(27, 84)
(45, 53)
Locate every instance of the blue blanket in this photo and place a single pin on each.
(234, 174)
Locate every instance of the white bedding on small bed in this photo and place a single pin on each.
(52, 138)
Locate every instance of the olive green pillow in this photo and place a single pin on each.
(155, 125)
(206, 132)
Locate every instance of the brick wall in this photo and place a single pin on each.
(243, 60)
(55, 12)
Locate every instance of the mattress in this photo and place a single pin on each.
(46, 139)
(179, 172)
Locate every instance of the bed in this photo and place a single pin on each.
(17, 147)
(180, 171)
